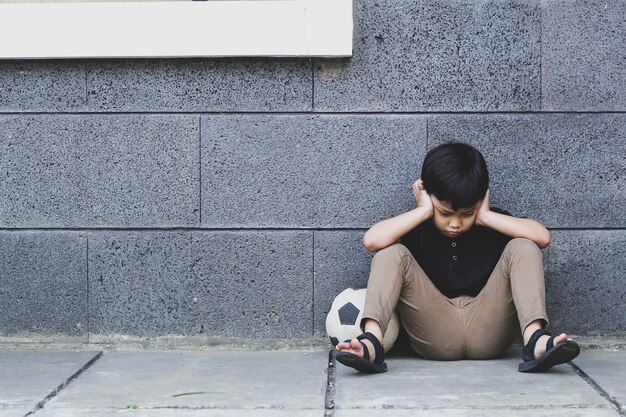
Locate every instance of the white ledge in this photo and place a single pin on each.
(272, 28)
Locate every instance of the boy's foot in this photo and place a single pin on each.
(365, 354)
(355, 347)
(543, 351)
(542, 342)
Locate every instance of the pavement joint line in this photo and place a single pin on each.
(210, 407)
(64, 384)
(481, 407)
(329, 398)
(621, 409)
(193, 408)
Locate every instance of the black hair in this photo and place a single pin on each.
(456, 173)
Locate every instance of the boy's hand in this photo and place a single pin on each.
(422, 198)
(483, 210)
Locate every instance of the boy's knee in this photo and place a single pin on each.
(392, 254)
(396, 250)
(523, 246)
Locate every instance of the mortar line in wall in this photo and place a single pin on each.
(540, 55)
(307, 112)
(249, 229)
(427, 144)
(312, 84)
(200, 167)
(86, 84)
(88, 297)
(313, 290)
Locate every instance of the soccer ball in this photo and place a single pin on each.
(344, 318)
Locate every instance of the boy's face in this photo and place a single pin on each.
(453, 223)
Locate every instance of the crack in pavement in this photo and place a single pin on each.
(64, 384)
(621, 409)
(329, 400)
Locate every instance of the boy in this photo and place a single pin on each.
(461, 274)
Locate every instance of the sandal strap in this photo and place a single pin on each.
(366, 351)
(528, 351)
(378, 348)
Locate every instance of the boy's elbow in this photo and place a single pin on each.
(373, 245)
(369, 244)
(545, 240)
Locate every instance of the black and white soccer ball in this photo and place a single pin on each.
(344, 318)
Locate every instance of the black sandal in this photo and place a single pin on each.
(363, 364)
(555, 355)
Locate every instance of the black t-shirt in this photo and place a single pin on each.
(456, 265)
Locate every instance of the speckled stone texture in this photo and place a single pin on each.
(585, 281)
(566, 171)
(341, 262)
(583, 55)
(200, 85)
(221, 284)
(308, 171)
(436, 55)
(43, 285)
(303, 155)
(92, 171)
(42, 86)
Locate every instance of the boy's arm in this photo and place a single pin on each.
(388, 232)
(512, 226)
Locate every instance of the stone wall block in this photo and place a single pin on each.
(436, 55)
(40, 85)
(99, 171)
(215, 284)
(583, 55)
(43, 285)
(585, 282)
(567, 171)
(308, 171)
(185, 85)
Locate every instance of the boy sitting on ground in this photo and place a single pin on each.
(462, 275)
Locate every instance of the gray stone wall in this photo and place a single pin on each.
(228, 197)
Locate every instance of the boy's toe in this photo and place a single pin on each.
(355, 344)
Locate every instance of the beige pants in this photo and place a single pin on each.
(464, 327)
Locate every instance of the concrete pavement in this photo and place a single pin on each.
(300, 383)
